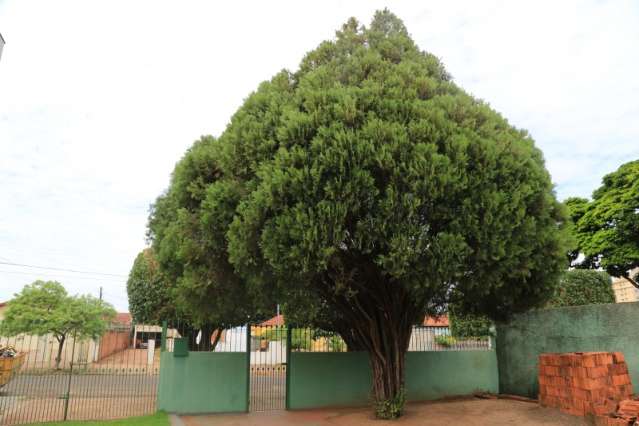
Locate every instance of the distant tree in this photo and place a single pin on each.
(44, 307)
(583, 287)
(150, 294)
(467, 325)
(607, 228)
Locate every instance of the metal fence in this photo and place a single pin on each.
(426, 339)
(114, 376)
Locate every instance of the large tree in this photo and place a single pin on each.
(44, 307)
(369, 190)
(607, 228)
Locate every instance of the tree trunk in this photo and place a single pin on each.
(216, 338)
(58, 358)
(380, 321)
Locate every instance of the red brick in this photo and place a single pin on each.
(616, 369)
(602, 410)
(618, 357)
(603, 358)
(621, 379)
(579, 372)
(551, 370)
(599, 371)
(629, 407)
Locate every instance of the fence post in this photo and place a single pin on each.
(248, 367)
(289, 339)
(165, 327)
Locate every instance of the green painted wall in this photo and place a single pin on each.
(610, 327)
(325, 379)
(344, 379)
(434, 375)
(203, 382)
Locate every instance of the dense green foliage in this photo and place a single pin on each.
(150, 294)
(607, 228)
(468, 325)
(187, 227)
(583, 287)
(44, 307)
(363, 191)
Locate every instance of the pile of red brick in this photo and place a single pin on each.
(584, 383)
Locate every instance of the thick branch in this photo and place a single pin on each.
(631, 281)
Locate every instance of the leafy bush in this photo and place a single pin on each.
(391, 408)
(582, 287)
(446, 341)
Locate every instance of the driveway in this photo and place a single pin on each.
(477, 412)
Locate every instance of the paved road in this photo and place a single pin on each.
(84, 385)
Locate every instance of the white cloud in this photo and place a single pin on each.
(98, 100)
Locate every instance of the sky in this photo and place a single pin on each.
(99, 99)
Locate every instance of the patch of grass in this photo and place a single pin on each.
(157, 419)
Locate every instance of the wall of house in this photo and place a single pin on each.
(609, 328)
(344, 378)
(203, 382)
(41, 351)
(112, 342)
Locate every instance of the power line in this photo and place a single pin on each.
(61, 269)
(57, 276)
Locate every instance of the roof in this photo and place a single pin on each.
(438, 321)
(276, 320)
(122, 318)
(3, 304)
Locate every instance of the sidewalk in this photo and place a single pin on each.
(476, 412)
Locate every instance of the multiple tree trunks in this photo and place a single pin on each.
(380, 319)
(586, 383)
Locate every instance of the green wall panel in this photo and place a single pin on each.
(329, 379)
(434, 375)
(203, 382)
(344, 379)
(610, 328)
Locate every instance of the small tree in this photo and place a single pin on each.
(607, 228)
(44, 307)
(583, 287)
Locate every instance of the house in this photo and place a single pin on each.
(624, 290)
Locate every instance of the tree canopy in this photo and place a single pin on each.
(583, 287)
(149, 293)
(363, 191)
(607, 228)
(44, 307)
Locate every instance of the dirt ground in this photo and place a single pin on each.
(476, 412)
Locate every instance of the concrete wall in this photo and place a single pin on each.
(610, 328)
(344, 379)
(325, 379)
(203, 382)
(112, 342)
(434, 375)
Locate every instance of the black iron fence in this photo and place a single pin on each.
(114, 376)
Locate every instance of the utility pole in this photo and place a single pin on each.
(100, 292)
